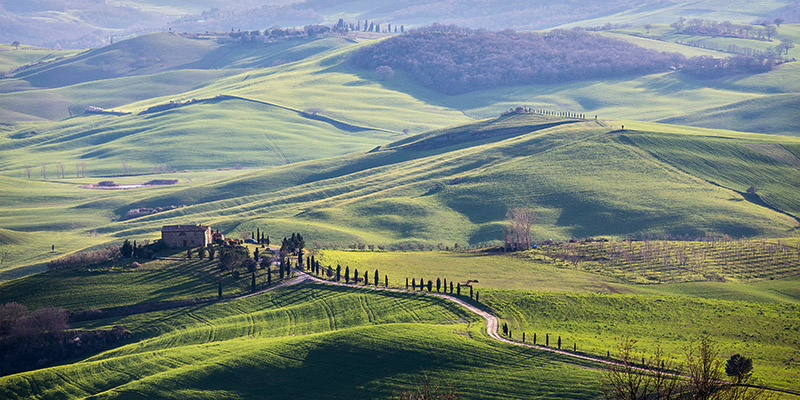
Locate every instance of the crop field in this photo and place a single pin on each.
(491, 271)
(265, 344)
(597, 323)
(660, 261)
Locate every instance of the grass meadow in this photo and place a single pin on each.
(353, 343)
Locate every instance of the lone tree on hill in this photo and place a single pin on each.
(517, 233)
(739, 367)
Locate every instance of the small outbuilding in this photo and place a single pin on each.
(186, 235)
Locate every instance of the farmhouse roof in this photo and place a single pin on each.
(184, 228)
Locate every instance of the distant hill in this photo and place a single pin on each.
(581, 178)
(775, 114)
(86, 23)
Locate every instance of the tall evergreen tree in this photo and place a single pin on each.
(219, 290)
(347, 274)
(438, 285)
(253, 283)
(458, 288)
(338, 272)
(413, 284)
(366, 278)
(406, 283)
(430, 285)
(385, 280)
(470, 291)
(377, 278)
(269, 275)
(451, 287)
(559, 342)
(355, 276)
(188, 252)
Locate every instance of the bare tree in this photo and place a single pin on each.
(517, 233)
(705, 370)
(124, 168)
(627, 381)
(44, 171)
(60, 171)
(83, 169)
(28, 170)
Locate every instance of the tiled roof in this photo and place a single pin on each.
(184, 228)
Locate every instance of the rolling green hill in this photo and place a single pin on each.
(353, 343)
(580, 177)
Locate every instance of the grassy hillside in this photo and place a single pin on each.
(448, 186)
(598, 322)
(12, 57)
(747, 115)
(291, 333)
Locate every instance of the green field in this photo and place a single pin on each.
(595, 310)
(446, 186)
(354, 344)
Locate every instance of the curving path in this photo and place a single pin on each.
(491, 321)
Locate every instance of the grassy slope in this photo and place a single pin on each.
(587, 307)
(265, 344)
(452, 186)
(11, 57)
(256, 135)
(597, 322)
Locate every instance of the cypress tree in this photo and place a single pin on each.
(458, 288)
(347, 274)
(444, 285)
(547, 339)
(377, 278)
(280, 270)
(255, 255)
(267, 241)
(258, 235)
(366, 278)
(188, 252)
(406, 283)
(559, 342)
(338, 272)
(413, 283)
(451, 287)
(385, 280)
(534, 338)
(575, 347)
(219, 290)
(505, 329)
(470, 291)
(355, 276)
(523, 337)
(430, 285)
(438, 285)
(477, 297)
(253, 282)
(269, 275)
(211, 252)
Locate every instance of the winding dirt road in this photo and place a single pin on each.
(491, 321)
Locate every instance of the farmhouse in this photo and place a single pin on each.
(186, 235)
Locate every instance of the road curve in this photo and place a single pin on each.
(491, 321)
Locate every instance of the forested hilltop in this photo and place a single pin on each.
(456, 60)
